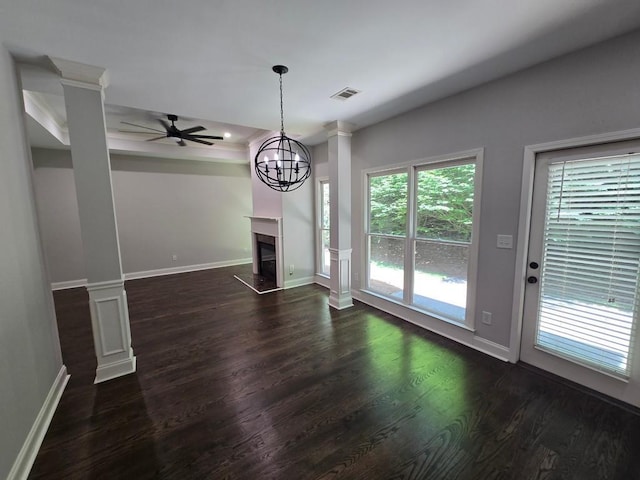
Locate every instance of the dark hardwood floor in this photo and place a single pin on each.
(235, 385)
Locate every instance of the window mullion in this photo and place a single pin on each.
(409, 249)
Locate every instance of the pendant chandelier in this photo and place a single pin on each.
(282, 163)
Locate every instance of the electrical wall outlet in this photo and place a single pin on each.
(174, 257)
(486, 318)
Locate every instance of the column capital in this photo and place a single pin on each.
(80, 74)
(338, 127)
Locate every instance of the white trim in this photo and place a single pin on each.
(105, 285)
(83, 74)
(522, 249)
(298, 282)
(117, 300)
(340, 282)
(39, 109)
(115, 369)
(339, 128)
(185, 269)
(491, 348)
(322, 280)
(27, 455)
(82, 282)
(84, 85)
(259, 292)
(458, 333)
(419, 162)
(156, 273)
(524, 219)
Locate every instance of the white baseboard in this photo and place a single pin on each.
(82, 282)
(491, 348)
(157, 273)
(185, 269)
(322, 280)
(27, 455)
(115, 370)
(298, 282)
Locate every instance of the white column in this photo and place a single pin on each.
(339, 137)
(83, 87)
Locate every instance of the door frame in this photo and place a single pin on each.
(524, 223)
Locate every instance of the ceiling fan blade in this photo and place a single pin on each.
(166, 126)
(143, 133)
(191, 139)
(155, 138)
(212, 137)
(191, 130)
(142, 126)
(182, 144)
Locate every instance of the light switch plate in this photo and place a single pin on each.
(505, 241)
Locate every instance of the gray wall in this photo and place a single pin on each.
(592, 91)
(30, 356)
(164, 207)
(298, 229)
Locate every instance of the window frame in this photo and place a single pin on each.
(475, 156)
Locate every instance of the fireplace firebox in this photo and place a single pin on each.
(266, 246)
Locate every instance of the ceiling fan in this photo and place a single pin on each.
(171, 131)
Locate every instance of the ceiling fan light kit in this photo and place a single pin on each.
(282, 163)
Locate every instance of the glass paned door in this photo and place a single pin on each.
(581, 304)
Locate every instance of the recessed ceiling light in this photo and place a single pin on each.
(227, 134)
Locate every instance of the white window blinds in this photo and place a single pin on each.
(589, 278)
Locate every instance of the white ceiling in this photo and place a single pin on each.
(210, 60)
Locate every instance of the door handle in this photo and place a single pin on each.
(532, 279)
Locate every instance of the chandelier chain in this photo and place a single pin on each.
(281, 109)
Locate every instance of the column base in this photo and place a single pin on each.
(115, 370)
(340, 282)
(111, 330)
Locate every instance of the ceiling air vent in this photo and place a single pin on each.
(345, 93)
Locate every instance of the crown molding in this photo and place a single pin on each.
(80, 74)
(42, 112)
(340, 128)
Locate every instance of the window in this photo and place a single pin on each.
(323, 235)
(420, 236)
(387, 233)
(444, 219)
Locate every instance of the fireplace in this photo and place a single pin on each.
(268, 262)
(266, 250)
